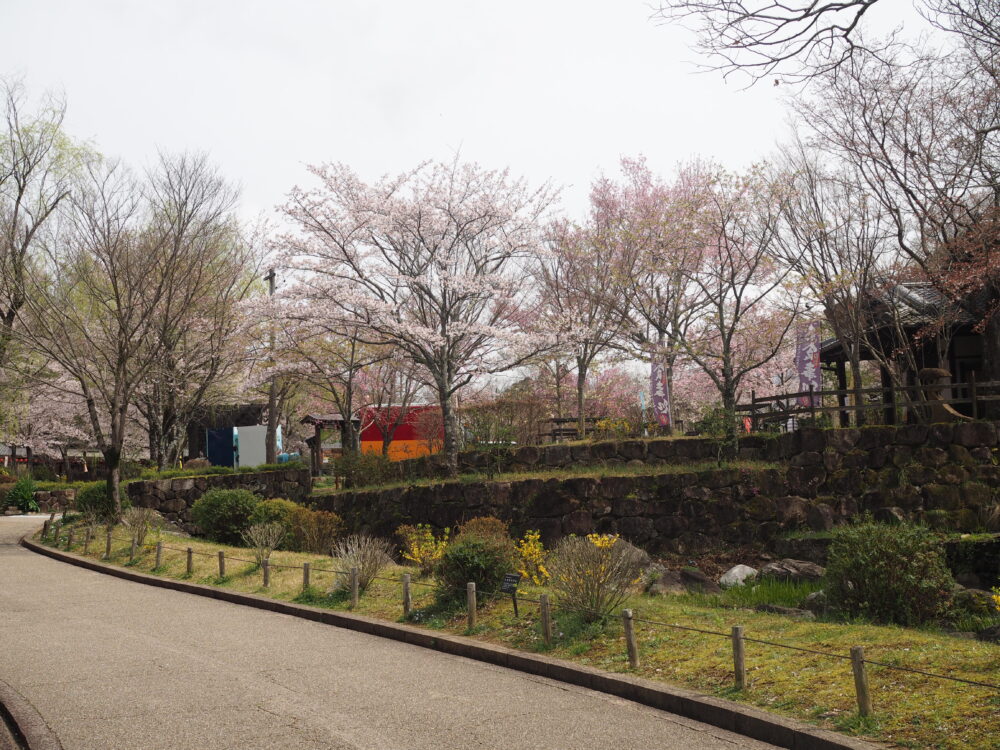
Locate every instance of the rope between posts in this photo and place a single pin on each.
(494, 595)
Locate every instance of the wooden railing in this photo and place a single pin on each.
(889, 405)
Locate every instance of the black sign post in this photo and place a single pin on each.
(509, 586)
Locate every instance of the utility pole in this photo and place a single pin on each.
(271, 449)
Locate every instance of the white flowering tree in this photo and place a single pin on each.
(429, 261)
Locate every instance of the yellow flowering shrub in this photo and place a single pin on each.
(592, 575)
(421, 546)
(531, 554)
(996, 598)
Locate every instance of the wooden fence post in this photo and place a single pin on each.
(305, 576)
(739, 664)
(355, 594)
(190, 561)
(131, 552)
(69, 540)
(861, 680)
(45, 530)
(630, 644)
(266, 567)
(107, 546)
(470, 603)
(543, 605)
(159, 554)
(222, 564)
(86, 541)
(55, 533)
(407, 602)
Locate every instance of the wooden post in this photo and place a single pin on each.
(972, 394)
(266, 567)
(131, 552)
(69, 540)
(753, 410)
(305, 576)
(55, 533)
(407, 602)
(107, 546)
(159, 554)
(812, 403)
(190, 561)
(630, 644)
(354, 588)
(543, 604)
(86, 541)
(45, 530)
(861, 680)
(222, 564)
(470, 603)
(739, 664)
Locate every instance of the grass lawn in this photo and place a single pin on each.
(325, 486)
(911, 710)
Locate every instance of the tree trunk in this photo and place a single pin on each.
(857, 397)
(581, 385)
(450, 431)
(112, 468)
(271, 439)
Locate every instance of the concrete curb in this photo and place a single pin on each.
(34, 733)
(718, 712)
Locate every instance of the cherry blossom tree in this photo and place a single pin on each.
(579, 288)
(743, 325)
(427, 262)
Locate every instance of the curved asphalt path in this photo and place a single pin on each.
(113, 664)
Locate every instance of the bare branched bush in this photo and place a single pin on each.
(592, 575)
(366, 553)
(263, 539)
(139, 522)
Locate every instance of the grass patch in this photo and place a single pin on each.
(911, 710)
(619, 470)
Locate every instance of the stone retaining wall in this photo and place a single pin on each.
(943, 475)
(174, 497)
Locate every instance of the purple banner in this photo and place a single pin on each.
(660, 394)
(807, 359)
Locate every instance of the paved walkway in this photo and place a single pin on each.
(114, 664)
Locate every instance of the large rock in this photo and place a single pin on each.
(663, 582)
(990, 634)
(793, 570)
(696, 581)
(975, 434)
(737, 576)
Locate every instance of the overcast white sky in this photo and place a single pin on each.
(553, 89)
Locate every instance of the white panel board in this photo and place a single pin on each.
(253, 445)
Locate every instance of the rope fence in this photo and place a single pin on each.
(475, 599)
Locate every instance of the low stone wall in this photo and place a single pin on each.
(174, 497)
(943, 475)
(55, 500)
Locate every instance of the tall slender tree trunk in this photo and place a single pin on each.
(857, 386)
(450, 424)
(581, 386)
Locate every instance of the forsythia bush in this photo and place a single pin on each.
(532, 554)
(421, 547)
(592, 574)
(996, 598)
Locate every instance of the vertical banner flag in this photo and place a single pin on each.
(807, 359)
(660, 394)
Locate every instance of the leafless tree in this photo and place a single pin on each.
(194, 344)
(36, 166)
(837, 243)
(93, 303)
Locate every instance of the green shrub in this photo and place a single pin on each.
(888, 574)
(472, 559)
(315, 530)
(43, 473)
(276, 510)
(361, 469)
(487, 527)
(223, 515)
(22, 494)
(92, 500)
(287, 466)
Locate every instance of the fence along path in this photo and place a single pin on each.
(737, 635)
